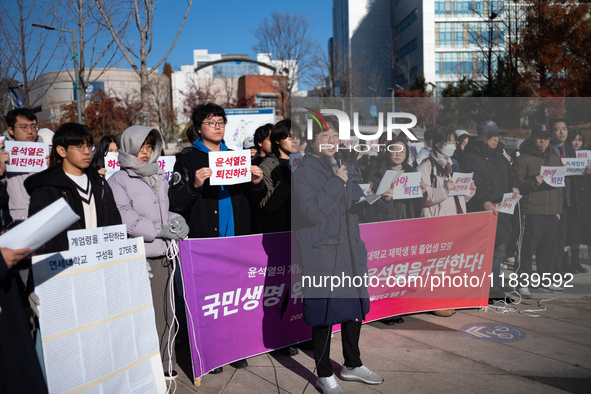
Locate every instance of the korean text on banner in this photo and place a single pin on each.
(105, 326)
(294, 160)
(585, 154)
(26, 156)
(41, 227)
(96, 236)
(166, 163)
(554, 176)
(243, 304)
(509, 202)
(574, 166)
(229, 167)
(461, 184)
(111, 164)
(408, 185)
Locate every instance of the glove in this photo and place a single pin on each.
(34, 303)
(180, 227)
(166, 232)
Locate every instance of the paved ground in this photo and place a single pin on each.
(430, 354)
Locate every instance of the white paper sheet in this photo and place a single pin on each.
(229, 167)
(554, 176)
(41, 227)
(574, 166)
(166, 163)
(409, 187)
(509, 203)
(111, 164)
(26, 156)
(87, 318)
(462, 183)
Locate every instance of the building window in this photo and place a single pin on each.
(406, 22)
(440, 8)
(444, 35)
(408, 48)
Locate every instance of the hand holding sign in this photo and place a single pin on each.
(462, 184)
(553, 176)
(3, 160)
(231, 168)
(257, 174)
(509, 202)
(201, 175)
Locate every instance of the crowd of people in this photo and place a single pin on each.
(317, 202)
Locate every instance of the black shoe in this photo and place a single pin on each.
(576, 264)
(216, 371)
(172, 376)
(307, 345)
(290, 351)
(389, 321)
(240, 364)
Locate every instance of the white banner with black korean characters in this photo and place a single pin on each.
(407, 185)
(585, 154)
(229, 167)
(96, 312)
(111, 164)
(96, 236)
(166, 163)
(574, 166)
(509, 202)
(26, 156)
(553, 176)
(461, 184)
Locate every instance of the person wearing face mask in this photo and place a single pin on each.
(493, 176)
(437, 173)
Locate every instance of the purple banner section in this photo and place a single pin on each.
(240, 298)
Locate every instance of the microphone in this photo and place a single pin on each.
(338, 156)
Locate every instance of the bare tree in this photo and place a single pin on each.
(24, 55)
(287, 38)
(143, 14)
(96, 43)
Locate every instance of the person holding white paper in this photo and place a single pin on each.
(579, 221)
(396, 159)
(21, 126)
(437, 172)
(72, 178)
(541, 204)
(141, 194)
(107, 144)
(493, 177)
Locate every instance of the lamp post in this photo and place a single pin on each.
(74, 32)
(491, 17)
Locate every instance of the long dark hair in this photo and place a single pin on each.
(281, 131)
(98, 160)
(572, 134)
(402, 141)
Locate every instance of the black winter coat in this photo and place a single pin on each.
(52, 184)
(200, 206)
(276, 205)
(493, 175)
(326, 228)
(399, 209)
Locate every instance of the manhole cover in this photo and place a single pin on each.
(493, 332)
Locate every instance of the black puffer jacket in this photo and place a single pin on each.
(493, 175)
(200, 206)
(52, 184)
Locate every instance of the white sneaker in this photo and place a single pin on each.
(524, 292)
(329, 385)
(510, 260)
(361, 374)
(552, 289)
(504, 266)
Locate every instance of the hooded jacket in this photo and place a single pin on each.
(200, 207)
(143, 209)
(438, 203)
(543, 199)
(493, 174)
(15, 184)
(52, 184)
(326, 227)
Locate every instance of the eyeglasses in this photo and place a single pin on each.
(147, 148)
(215, 124)
(327, 137)
(82, 147)
(25, 127)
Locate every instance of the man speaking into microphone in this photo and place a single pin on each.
(325, 211)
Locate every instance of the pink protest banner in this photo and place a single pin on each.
(244, 294)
